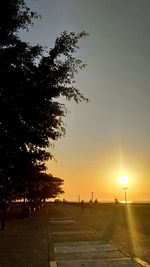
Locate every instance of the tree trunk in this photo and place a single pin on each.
(24, 205)
(4, 209)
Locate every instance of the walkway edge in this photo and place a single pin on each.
(141, 262)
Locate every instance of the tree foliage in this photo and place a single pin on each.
(14, 15)
(43, 186)
(32, 79)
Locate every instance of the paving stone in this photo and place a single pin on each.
(77, 237)
(89, 255)
(100, 263)
(71, 232)
(80, 243)
(78, 248)
(62, 221)
(60, 218)
(67, 227)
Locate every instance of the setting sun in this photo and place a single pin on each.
(123, 179)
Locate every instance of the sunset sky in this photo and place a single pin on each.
(110, 135)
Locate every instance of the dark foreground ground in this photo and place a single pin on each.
(25, 241)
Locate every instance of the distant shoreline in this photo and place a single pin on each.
(107, 202)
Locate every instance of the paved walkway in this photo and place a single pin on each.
(45, 240)
(74, 245)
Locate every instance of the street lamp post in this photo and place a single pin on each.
(124, 182)
(125, 194)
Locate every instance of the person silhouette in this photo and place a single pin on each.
(82, 206)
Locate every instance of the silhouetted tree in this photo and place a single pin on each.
(31, 80)
(43, 186)
(14, 15)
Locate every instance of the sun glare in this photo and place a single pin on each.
(123, 179)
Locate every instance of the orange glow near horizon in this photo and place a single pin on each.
(102, 175)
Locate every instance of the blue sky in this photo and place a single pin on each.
(113, 129)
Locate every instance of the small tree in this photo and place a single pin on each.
(43, 186)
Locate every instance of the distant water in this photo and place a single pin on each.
(130, 202)
(141, 202)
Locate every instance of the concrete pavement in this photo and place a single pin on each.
(74, 245)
